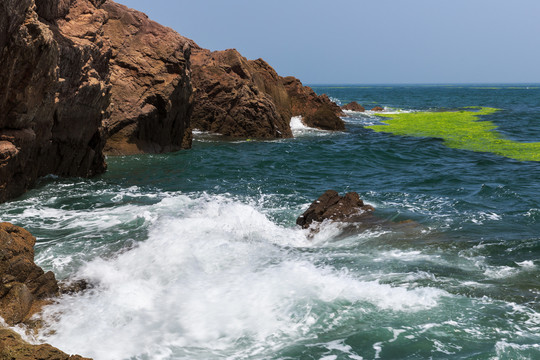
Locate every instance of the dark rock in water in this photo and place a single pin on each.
(243, 98)
(13, 347)
(353, 106)
(331, 206)
(377, 108)
(71, 287)
(24, 285)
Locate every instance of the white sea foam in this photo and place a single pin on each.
(214, 272)
(298, 128)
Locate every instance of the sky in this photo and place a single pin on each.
(368, 41)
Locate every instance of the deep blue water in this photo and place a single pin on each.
(196, 254)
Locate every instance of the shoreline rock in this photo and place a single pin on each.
(24, 289)
(353, 106)
(331, 206)
(241, 98)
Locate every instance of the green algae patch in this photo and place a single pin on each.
(460, 130)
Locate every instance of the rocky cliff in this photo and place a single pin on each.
(51, 99)
(237, 97)
(77, 74)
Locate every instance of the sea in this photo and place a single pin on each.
(196, 254)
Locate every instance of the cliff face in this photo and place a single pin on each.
(151, 89)
(78, 73)
(51, 100)
(237, 97)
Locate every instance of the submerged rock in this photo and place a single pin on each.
(353, 106)
(331, 206)
(242, 98)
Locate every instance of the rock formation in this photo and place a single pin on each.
(13, 347)
(76, 73)
(237, 97)
(377, 108)
(24, 288)
(330, 206)
(24, 284)
(51, 100)
(353, 106)
(150, 77)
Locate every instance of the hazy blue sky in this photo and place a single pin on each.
(368, 41)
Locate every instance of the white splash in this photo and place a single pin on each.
(213, 272)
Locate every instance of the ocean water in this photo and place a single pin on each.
(195, 254)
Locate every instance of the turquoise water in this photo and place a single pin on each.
(195, 255)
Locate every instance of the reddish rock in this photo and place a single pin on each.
(377, 108)
(353, 106)
(150, 76)
(51, 100)
(237, 97)
(13, 347)
(331, 206)
(23, 284)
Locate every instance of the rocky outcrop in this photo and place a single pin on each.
(13, 347)
(78, 73)
(377, 108)
(24, 289)
(237, 97)
(330, 206)
(24, 285)
(353, 106)
(150, 77)
(51, 100)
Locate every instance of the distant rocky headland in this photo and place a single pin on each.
(85, 78)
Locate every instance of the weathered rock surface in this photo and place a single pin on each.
(24, 289)
(150, 77)
(353, 106)
(377, 108)
(331, 206)
(13, 347)
(75, 73)
(23, 284)
(237, 97)
(51, 99)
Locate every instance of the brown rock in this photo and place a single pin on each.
(13, 347)
(150, 77)
(377, 108)
(331, 206)
(242, 98)
(353, 106)
(52, 94)
(23, 283)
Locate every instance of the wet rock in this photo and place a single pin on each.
(71, 287)
(242, 98)
(331, 206)
(377, 108)
(13, 347)
(24, 285)
(353, 106)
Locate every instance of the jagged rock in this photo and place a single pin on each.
(377, 108)
(331, 206)
(24, 285)
(353, 106)
(150, 77)
(13, 347)
(237, 97)
(51, 99)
